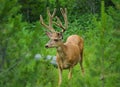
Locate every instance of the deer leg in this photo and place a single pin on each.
(82, 67)
(70, 73)
(60, 75)
(81, 61)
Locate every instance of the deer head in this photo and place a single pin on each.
(55, 37)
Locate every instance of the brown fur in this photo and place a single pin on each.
(69, 54)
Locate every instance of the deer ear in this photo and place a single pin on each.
(60, 35)
(49, 34)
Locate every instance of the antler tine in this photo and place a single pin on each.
(59, 23)
(54, 12)
(42, 22)
(50, 20)
(51, 17)
(64, 13)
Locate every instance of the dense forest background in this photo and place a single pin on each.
(24, 59)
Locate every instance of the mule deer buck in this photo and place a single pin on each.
(69, 53)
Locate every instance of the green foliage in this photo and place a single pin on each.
(8, 9)
(20, 41)
(31, 9)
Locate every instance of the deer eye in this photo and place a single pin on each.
(56, 40)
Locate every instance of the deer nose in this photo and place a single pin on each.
(46, 46)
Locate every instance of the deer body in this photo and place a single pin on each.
(69, 53)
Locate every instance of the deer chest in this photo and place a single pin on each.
(64, 63)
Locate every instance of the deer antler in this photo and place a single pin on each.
(59, 23)
(50, 20)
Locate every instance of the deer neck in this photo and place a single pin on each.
(61, 49)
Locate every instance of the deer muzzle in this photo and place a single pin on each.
(46, 46)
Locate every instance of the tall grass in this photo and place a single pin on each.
(24, 44)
